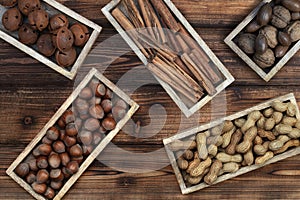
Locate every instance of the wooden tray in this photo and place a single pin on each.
(228, 78)
(92, 74)
(53, 7)
(186, 190)
(229, 41)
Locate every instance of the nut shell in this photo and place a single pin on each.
(57, 21)
(45, 45)
(264, 14)
(280, 51)
(26, 6)
(292, 5)
(12, 19)
(27, 34)
(247, 43)
(294, 31)
(8, 3)
(284, 38)
(281, 17)
(270, 33)
(38, 19)
(261, 44)
(22, 169)
(265, 60)
(252, 27)
(63, 39)
(66, 59)
(80, 35)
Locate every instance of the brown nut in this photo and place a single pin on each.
(8, 3)
(118, 112)
(284, 38)
(42, 162)
(75, 151)
(71, 129)
(294, 31)
(106, 105)
(65, 158)
(86, 93)
(264, 14)
(56, 185)
(27, 35)
(295, 16)
(69, 141)
(281, 17)
(92, 124)
(247, 43)
(86, 137)
(280, 51)
(252, 27)
(52, 133)
(66, 59)
(100, 90)
(265, 60)
(38, 19)
(80, 35)
(54, 160)
(72, 167)
(44, 149)
(57, 21)
(26, 6)
(45, 45)
(22, 169)
(96, 111)
(12, 19)
(109, 123)
(270, 33)
(56, 175)
(292, 5)
(42, 176)
(39, 188)
(30, 178)
(50, 193)
(63, 39)
(68, 117)
(97, 137)
(261, 44)
(59, 147)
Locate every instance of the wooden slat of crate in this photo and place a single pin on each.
(186, 190)
(53, 120)
(183, 107)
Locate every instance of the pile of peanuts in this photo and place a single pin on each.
(71, 140)
(253, 139)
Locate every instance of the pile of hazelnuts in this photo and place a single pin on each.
(50, 34)
(71, 140)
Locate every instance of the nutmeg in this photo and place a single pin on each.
(65, 158)
(56, 185)
(72, 167)
(59, 146)
(270, 33)
(54, 160)
(50, 193)
(38, 19)
(30, 178)
(86, 137)
(22, 169)
(67, 58)
(91, 124)
(247, 43)
(109, 123)
(96, 111)
(71, 129)
(8, 3)
(45, 45)
(12, 19)
(86, 93)
(57, 21)
(281, 17)
(69, 141)
(56, 175)
(27, 35)
(39, 188)
(264, 14)
(42, 162)
(75, 151)
(52, 133)
(106, 105)
(294, 31)
(26, 6)
(265, 60)
(42, 176)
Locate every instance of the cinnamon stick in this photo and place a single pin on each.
(134, 13)
(165, 14)
(203, 80)
(146, 15)
(183, 44)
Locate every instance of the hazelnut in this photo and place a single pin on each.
(50, 193)
(32, 164)
(87, 150)
(52, 133)
(30, 178)
(65, 158)
(86, 93)
(109, 123)
(42, 162)
(264, 14)
(294, 31)
(270, 33)
(44, 149)
(71, 129)
(27, 35)
(70, 141)
(265, 60)
(102, 130)
(78, 122)
(65, 173)
(68, 117)
(26, 6)
(78, 159)
(95, 101)
(97, 137)
(109, 94)
(62, 135)
(247, 43)
(86, 137)
(72, 167)
(80, 35)
(252, 27)
(22, 169)
(56, 175)
(42, 176)
(75, 151)
(57, 21)
(66, 59)
(8, 3)
(45, 45)
(39, 188)
(280, 51)
(106, 105)
(38, 19)
(59, 146)
(82, 106)
(12, 19)
(96, 111)
(46, 140)
(281, 17)
(100, 90)
(121, 103)
(54, 160)
(91, 124)
(118, 112)
(56, 185)
(292, 5)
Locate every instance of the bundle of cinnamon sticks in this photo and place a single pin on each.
(173, 55)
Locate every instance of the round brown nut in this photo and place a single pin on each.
(63, 39)
(52, 133)
(71, 129)
(57, 21)
(252, 27)
(26, 6)
(27, 35)
(80, 36)
(50, 193)
(247, 43)
(281, 17)
(284, 38)
(22, 169)
(294, 31)
(292, 5)
(92, 124)
(264, 14)
(295, 15)
(66, 59)
(38, 19)
(72, 167)
(280, 51)
(270, 33)
(261, 44)
(264, 60)
(45, 46)
(109, 123)
(39, 188)
(12, 19)
(42, 176)
(8, 3)
(75, 151)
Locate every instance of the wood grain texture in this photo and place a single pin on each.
(28, 88)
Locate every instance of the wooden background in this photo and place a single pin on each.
(30, 89)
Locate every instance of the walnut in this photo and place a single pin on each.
(265, 60)
(246, 42)
(281, 17)
(294, 31)
(270, 33)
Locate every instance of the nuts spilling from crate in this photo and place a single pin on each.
(70, 141)
(226, 148)
(173, 55)
(51, 34)
(274, 31)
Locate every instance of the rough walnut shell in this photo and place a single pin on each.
(294, 31)
(247, 43)
(270, 33)
(12, 19)
(265, 60)
(281, 17)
